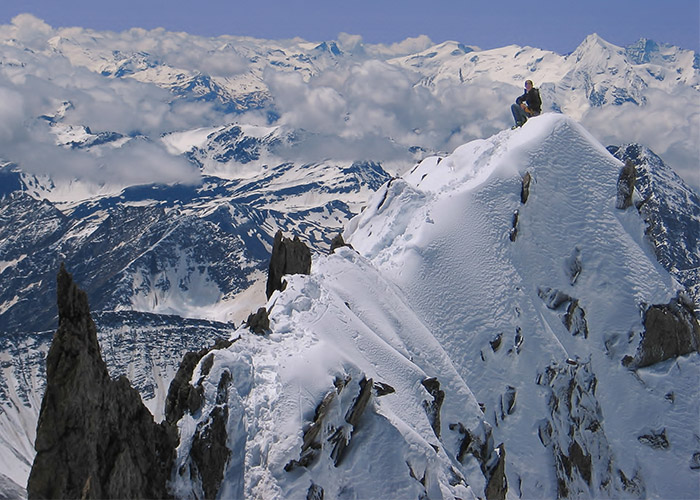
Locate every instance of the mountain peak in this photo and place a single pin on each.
(95, 439)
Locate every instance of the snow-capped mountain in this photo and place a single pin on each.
(502, 322)
(484, 335)
(358, 101)
(160, 176)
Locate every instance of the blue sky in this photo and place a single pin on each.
(558, 25)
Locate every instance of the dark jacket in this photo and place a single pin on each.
(533, 101)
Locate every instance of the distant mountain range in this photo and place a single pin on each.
(159, 166)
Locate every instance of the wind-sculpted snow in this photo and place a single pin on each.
(329, 334)
(476, 288)
(455, 350)
(471, 338)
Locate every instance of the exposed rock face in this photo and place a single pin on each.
(670, 330)
(259, 322)
(625, 186)
(208, 452)
(671, 211)
(525, 189)
(432, 408)
(338, 242)
(497, 486)
(288, 257)
(328, 428)
(95, 438)
(574, 319)
(182, 396)
(513, 233)
(574, 434)
(492, 461)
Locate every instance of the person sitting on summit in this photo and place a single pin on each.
(527, 105)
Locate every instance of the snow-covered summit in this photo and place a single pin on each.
(496, 314)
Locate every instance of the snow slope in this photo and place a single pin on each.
(438, 285)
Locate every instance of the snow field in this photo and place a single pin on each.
(471, 285)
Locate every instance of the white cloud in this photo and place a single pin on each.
(410, 45)
(667, 124)
(12, 116)
(350, 43)
(360, 108)
(29, 30)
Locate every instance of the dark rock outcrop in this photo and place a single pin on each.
(513, 233)
(574, 434)
(336, 435)
(432, 408)
(497, 485)
(315, 492)
(670, 330)
(657, 439)
(338, 242)
(492, 461)
(259, 322)
(574, 318)
(671, 211)
(625, 186)
(288, 257)
(507, 402)
(95, 438)
(183, 397)
(209, 452)
(525, 189)
(573, 266)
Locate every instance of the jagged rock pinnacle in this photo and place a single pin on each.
(95, 438)
(288, 257)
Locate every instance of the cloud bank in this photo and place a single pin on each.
(361, 106)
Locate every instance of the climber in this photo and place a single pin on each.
(527, 105)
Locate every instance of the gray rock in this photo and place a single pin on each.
(525, 188)
(288, 257)
(657, 439)
(552, 297)
(575, 319)
(573, 266)
(625, 186)
(432, 408)
(337, 434)
(259, 322)
(479, 444)
(513, 233)
(497, 486)
(209, 452)
(315, 492)
(95, 438)
(670, 330)
(338, 242)
(183, 397)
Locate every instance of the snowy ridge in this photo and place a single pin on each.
(523, 321)
(163, 195)
(347, 335)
